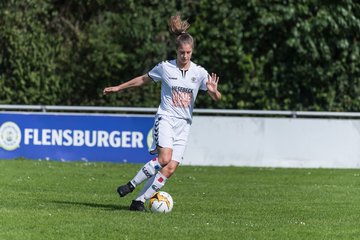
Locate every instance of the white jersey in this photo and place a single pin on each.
(179, 88)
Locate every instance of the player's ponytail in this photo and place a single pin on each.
(179, 27)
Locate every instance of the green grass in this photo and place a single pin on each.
(54, 200)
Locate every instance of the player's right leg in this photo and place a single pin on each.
(146, 172)
(170, 155)
(162, 136)
(162, 141)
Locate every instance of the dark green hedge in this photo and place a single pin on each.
(286, 55)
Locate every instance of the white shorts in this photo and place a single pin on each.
(171, 132)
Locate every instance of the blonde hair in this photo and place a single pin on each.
(178, 27)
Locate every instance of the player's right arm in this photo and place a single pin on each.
(135, 82)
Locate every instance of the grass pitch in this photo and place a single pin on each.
(54, 200)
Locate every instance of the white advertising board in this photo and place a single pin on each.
(274, 142)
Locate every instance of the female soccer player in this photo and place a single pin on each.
(180, 80)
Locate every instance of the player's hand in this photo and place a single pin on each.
(110, 90)
(212, 82)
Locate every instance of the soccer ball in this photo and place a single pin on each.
(161, 202)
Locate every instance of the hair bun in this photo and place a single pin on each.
(178, 26)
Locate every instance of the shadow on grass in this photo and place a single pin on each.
(108, 207)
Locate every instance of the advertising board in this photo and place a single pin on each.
(75, 137)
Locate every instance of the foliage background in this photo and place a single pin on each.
(279, 55)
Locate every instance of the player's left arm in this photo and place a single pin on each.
(212, 85)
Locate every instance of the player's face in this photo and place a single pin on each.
(184, 52)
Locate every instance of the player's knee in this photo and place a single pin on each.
(164, 161)
(168, 170)
(171, 169)
(164, 158)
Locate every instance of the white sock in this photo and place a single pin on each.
(147, 171)
(140, 196)
(153, 185)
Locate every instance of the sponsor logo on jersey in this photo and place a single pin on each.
(181, 96)
(182, 89)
